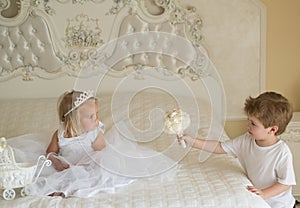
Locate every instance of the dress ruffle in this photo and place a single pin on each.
(120, 163)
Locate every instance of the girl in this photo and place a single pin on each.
(85, 162)
(76, 122)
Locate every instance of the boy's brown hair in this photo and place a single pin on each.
(271, 109)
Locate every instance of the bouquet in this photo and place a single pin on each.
(176, 122)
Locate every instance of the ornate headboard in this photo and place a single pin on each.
(34, 44)
(65, 40)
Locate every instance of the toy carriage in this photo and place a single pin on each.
(17, 175)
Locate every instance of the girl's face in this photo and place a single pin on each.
(88, 113)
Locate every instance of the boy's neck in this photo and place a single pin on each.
(267, 142)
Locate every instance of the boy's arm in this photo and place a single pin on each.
(99, 142)
(206, 145)
(275, 189)
(52, 150)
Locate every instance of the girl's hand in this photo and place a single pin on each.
(188, 140)
(59, 166)
(256, 191)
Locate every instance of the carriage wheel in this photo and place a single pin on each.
(9, 194)
(23, 192)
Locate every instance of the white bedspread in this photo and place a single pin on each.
(218, 182)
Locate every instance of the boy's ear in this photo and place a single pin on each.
(273, 129)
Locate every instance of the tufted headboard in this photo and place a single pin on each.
(27, 46)
(59, 44)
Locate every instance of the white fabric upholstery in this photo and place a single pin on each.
(28, 44)
(158, 51)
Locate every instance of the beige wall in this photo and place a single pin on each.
(283, 48)
(283, 54)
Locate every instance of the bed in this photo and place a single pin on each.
(140, 64)
(217, 181)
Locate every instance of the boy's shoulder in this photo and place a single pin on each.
(284, 145)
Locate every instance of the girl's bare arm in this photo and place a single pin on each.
(53, 145)
(99, 142)
(52, 151)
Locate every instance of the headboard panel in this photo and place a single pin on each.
(32, 45)
(27, 48)
(60, 39)
(162, 48)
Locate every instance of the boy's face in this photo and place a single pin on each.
(257, 129)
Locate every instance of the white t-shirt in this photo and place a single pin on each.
(265, 166)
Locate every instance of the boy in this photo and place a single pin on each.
(266, 159)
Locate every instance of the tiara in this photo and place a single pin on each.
(84, 96)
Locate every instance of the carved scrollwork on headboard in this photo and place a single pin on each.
(4, 4)
(80, 1)
(83, 31)
(35, 46)
(189, 17)
(176, 15)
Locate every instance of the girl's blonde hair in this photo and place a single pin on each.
(271, 109)
(70, 121)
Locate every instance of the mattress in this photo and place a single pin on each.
(217, 181)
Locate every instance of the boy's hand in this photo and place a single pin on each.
(256, 191)
(188, 140)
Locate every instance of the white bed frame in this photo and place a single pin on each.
(198, 48)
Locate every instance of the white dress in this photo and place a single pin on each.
(120, 163)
